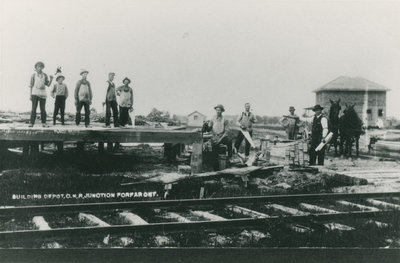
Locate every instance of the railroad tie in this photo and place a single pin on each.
(330, 226)
(207, 215)
(176, 217)
(383, 204)
(292, 211)
(316, 208)
(361, 207)
(132, 218)
(287, 210)
(246, 212)
(93, 220)
(41, 224)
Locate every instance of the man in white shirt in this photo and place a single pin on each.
(245, 121)
(319, 131)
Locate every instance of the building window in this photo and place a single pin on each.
(380, 113)
(195, 117)
(369, 115)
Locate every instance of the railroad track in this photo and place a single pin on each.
(304, 213)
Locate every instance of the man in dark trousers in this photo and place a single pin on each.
(111, 101)
(219, 128)
(319, 131)
(245, 121)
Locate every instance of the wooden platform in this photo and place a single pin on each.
(21, 133)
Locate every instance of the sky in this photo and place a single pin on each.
(190, 55)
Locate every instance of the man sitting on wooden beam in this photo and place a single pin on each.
(219, 128)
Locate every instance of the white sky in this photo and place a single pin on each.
(191, 55)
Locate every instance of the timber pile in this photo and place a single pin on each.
(169, 178)
(392, 135)
(297, 154)
(387, 149)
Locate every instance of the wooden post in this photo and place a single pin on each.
(197, 157)
(110, 146)
(34, 148)
(25, 149)
(60, 147)
(80, 147)
(170, 151)
(101, 147)
(3, 150)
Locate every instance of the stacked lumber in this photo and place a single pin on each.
(387, 149)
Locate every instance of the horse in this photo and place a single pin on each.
(351, 128)
(334, 112)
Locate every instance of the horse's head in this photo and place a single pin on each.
(334, 110)
(350, 117)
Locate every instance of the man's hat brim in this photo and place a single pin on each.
(123, 81)
(61, 76)
(317, 108)
(220, 107)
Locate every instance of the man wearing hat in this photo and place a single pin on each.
(60, 93)
(291, 124)
(319, 131)
(125, 101)
(111, 101)
(219, 128)
(83, 98)
(38, 94)
(245, 121)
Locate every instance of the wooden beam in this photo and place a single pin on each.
(197, 157)
(99, 134)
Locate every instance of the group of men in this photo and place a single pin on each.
(119, 100)
(219, 128)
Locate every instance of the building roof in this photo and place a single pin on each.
(344, 83)
(197, 113)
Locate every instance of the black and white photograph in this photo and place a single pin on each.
(199, 131)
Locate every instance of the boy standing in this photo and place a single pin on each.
(111, 101)
(39, 81)
(125, 99)
(83, 98)
(60, 93)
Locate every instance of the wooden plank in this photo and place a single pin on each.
(99, 135)
(196, 161)
(247, 136)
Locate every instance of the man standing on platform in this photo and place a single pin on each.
(83, 98)
(111, 101)
(245, 121)
(291, 124)
(38, 94)
(319, 131)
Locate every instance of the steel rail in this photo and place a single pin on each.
(82, 207)
(174, 227)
